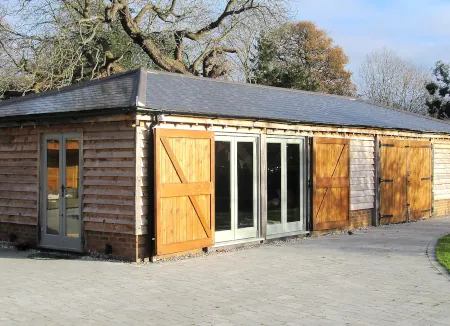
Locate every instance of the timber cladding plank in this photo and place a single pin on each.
(331, 183)
(18, 175)
(184, 190)
(441, 171)
(362, 174)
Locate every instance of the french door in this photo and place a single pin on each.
(236, 187)
(286, 185)
(60, 209)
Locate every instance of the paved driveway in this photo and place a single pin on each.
(381, 276)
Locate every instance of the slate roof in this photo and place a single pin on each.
(180, 94)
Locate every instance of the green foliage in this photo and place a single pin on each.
(439, 101)
(443, 251)
(301, 56)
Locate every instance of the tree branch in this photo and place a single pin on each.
(249, 5)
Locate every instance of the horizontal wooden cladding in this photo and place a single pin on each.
(108, 172)
(18, 175)
(335, 182)
(108, 153)
(356, 207)
(109, 209)
(109, 227)
(189, 189)
(22, 203)
(109, 135)
(108, 163)
(18, 211)
(108, 144)
(441, 171)
(20, 187)
(13, 178)
(362, 174)
(109, 178)
(24, 195)
(342, 141)
(18, 219)
(110, 181)
(18, 139)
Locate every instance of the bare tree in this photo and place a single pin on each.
(53, 43)
(389, 80)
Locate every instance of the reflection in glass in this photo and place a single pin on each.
(293, 182)
(273, 183)
(52, 186)
(72, 188)
(223, 186)
(245, 183)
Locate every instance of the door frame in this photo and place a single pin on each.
(235, 233)
(289, 227)
(69, 244)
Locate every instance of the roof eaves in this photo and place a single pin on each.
(287, 121)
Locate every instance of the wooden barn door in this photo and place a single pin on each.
(393, 154)
(184, 190)
(419, 179)
(405, 181)
(331, 183)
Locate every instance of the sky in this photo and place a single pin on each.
(417, 30)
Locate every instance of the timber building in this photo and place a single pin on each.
(149, 164)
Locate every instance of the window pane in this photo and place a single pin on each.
(293, 182)
(223, 189)
(72, 188)
(245, 184)
(52, 187)
(273, 183)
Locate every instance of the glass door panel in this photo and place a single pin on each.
(246, 187)
(274, 186)
(236, 187)
(223, 193)
(52, 195)
(291, 181)
(71, 190)
(245, 184)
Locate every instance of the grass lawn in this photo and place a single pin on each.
(443, 251)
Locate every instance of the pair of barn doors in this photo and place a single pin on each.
(185, 182)
(405, 180)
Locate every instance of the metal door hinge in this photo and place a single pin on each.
(386, 180)
(386, 216)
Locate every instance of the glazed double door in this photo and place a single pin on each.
(60, 211)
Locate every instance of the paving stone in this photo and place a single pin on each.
(379, 276)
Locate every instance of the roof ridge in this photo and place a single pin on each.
(68, 88)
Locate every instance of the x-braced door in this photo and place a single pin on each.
(331, 183)
(184, 190)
